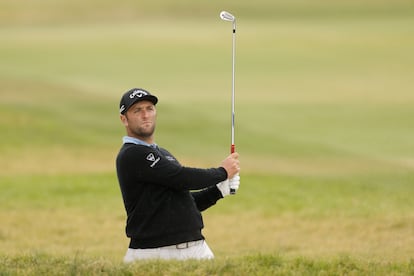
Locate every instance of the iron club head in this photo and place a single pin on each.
(227, 16)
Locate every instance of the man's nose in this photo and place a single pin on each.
(145, 113)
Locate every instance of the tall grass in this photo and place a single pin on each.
(34, 264)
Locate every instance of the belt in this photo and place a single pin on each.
(184, 245)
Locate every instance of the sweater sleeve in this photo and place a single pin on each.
(207, 197)
(159, 167)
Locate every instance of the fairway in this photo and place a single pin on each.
(324, 128)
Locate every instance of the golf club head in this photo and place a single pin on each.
(226, 16)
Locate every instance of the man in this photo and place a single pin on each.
(163, 200)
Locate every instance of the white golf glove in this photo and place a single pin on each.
(234, 183)
(225, 185)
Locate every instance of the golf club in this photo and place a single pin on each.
(226, 16)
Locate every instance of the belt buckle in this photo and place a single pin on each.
(183, 245)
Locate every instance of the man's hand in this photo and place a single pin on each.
(225, 185)
(231, 164)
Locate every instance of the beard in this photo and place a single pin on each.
(144, 132)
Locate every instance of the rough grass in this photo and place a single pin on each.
(368, 219)
(39, 263)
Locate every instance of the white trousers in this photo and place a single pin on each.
(198, 250)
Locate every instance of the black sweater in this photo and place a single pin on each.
(155, 188)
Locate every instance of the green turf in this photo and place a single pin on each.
(323, 125)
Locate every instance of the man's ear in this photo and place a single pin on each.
(124, 120)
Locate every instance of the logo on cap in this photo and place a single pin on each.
(138, 93)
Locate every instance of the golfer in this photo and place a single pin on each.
(163, 199)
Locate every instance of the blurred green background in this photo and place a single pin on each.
(324, 116)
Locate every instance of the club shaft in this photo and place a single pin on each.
(233, 147)
(229, 17)
(233, 85)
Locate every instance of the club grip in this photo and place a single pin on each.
(232, 150)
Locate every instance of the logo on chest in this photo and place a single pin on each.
(170, 158)
(151, 158)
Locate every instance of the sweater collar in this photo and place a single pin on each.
(133, 140)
